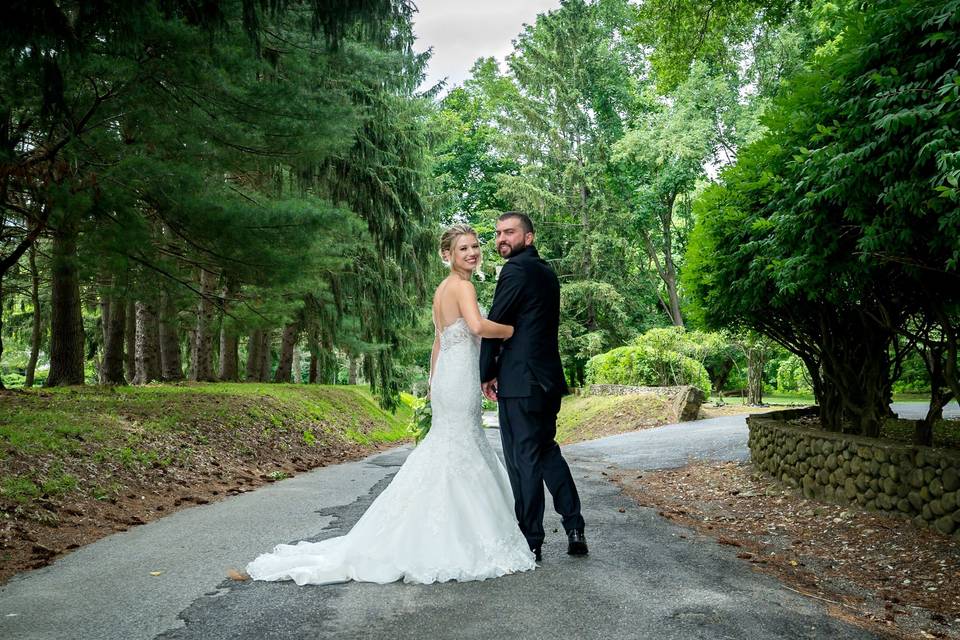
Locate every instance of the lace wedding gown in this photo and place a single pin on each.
(447, 515)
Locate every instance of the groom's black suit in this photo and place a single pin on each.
(530, 385)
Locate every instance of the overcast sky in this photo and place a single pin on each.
(460, 31)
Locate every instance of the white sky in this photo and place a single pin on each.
(460, 31)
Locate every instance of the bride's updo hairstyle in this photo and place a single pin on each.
(449, 238)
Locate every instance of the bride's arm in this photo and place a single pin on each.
(470, 310)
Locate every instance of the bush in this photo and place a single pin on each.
(913, 376)
(792, 376)
(647, 366)
(13, 380)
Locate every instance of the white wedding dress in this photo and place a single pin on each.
(447, 515)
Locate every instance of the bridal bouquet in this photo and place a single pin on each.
(420, 423)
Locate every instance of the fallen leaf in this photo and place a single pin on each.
(233, 574)
(156, 573)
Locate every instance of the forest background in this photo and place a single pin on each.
(742, 195)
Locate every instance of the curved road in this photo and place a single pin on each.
(641, 580)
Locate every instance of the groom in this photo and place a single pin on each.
(525, 377)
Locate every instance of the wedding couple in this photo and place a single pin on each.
(451, 512)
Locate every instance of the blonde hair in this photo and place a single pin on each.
(450, 236)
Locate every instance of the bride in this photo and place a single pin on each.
(448, 514)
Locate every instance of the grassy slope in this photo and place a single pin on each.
(586, 417)
(48, 437)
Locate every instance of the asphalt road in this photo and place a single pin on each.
(641, 579)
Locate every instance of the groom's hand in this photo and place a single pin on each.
(489, 389)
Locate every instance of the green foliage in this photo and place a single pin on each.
(914, 377)
(646, 366)
(593, 319)
(421, 419)
(280, 150)
(682, 32)
(839, 223)
(792, 376)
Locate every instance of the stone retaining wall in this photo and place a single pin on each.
(917, 482)
(622, 390)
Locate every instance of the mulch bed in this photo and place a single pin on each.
(874, 570)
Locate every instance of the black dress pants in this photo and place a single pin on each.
(528, 427)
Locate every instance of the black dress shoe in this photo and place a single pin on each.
(536, 554)
(576, 543)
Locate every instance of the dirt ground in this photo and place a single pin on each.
(874, 570)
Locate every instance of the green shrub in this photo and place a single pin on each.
(715, 351)
(13, 380)
(647, 366)
(913, 376)
(792, 376)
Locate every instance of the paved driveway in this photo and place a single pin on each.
(642, 579)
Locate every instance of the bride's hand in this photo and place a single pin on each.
(511, 332)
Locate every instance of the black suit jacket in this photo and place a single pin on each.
(528, 298)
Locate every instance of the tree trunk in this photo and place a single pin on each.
(352, 373)
(171, 366)
(939, 397)
(254, 357)
(266, 356)
(229, 354)
(202, 353)
(756, 359)
(100, 348)
(104, 319)
(669, 267)
(667, 270)
(229, 340)
(148, 344)
(287, 344)
(130, 341)
(111, 370)
(37, 329)
(1, 326)
(297, 372)
(66, 319)
(855, 373)
(314, 368)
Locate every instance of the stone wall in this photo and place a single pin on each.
(623, 390)
(916, 482)
(685, 401)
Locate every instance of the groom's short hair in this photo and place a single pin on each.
(524, 219)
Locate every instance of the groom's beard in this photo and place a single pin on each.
(513, 250)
